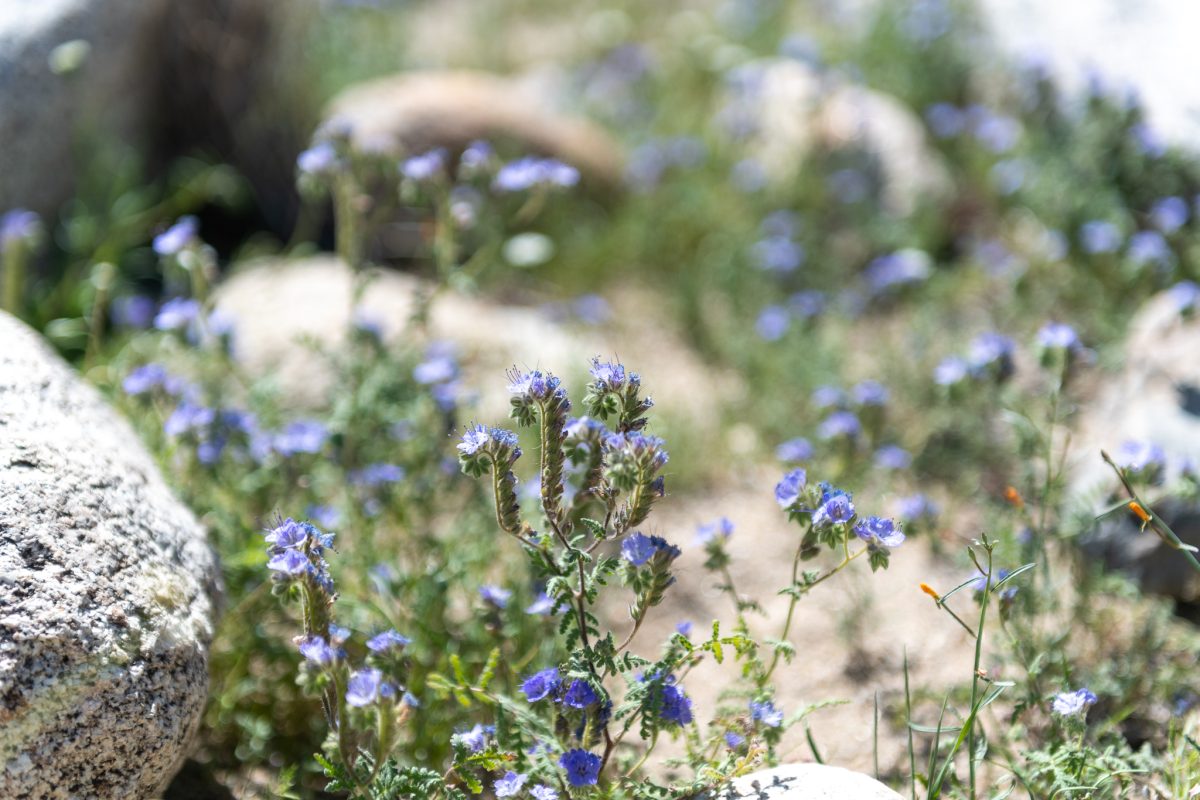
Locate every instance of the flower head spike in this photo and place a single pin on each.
(607, 375)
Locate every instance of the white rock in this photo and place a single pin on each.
(1154, 399)
(107, 602)
(805, 782)
(795, 110)
(277, 305)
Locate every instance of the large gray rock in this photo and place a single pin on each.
(1154, 400)
(55, 98)
(107, 593)
(805, 782)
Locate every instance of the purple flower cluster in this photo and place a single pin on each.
(295, 550)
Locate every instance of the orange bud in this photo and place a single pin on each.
(929, 590)
(1137, 509)
(1014, 497)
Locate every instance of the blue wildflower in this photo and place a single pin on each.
(807, 304)
(289, 534)
(583, 768)
(175, 238)
(495, 595)
(1099, 237)
(1184, 296)
(945, 120)
(1143, 458)
(607, 375)
(542, 604)
(638, 548)
(950, 371)
(320, 159)
(474, 739)
(325, 516)
(133, 311)
(144, 379)
(176, 314)
(320, 652)
(579, 694)
(1070, 704)
(474, 439)
(992, 352)
(766, 713)
(828, 396)
(676, 706)
(839, 424)
(734, 740)
(530, 171)
(901, 268)
(188, 416)
(510, 785)
(543, 793)
(1058, 336)
(367, 687)
(541, 685)
(870, 393)
(720, 529)
(1149, 247)
(301, 436)
(778, 254)
(798, 449)
(836, 507)
(915, 507)
(684, 628)
(879, 532)
(426, 166)
(18, 225)
(790, 488)
(772, 323)
(291, 563)
(387, 641)
(892, 456)
(1170, 214)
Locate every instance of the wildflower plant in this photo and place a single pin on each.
(590, 709)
